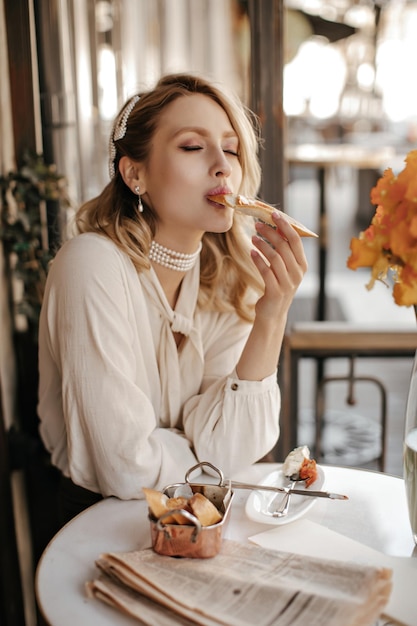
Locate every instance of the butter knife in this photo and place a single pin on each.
(299, 492)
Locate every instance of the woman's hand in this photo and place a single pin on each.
(282, 268)
(280, 259)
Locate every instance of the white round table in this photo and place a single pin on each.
(376, 515)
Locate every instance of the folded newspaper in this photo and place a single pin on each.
(243, 584)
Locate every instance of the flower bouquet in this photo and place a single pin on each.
(389, 244)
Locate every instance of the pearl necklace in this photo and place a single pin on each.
(178, 261)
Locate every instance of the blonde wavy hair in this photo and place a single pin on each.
(228, 279)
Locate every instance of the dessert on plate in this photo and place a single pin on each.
(299, 466)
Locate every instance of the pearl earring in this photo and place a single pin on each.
(140, 205)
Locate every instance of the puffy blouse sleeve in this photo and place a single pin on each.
(99, 391)
(231, 422)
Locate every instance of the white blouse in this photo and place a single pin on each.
(121, 407)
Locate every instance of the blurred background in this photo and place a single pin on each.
(333, 83)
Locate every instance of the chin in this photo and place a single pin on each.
(219, 230)
(223, 225)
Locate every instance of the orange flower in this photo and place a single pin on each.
(405, 289)
(389, 244)
(363, 253)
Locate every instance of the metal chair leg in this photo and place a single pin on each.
(351, 379)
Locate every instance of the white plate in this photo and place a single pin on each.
(258, 502)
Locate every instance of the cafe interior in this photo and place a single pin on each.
(333, 84)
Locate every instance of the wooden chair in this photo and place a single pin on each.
(324, 340)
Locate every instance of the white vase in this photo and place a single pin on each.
(410, 450)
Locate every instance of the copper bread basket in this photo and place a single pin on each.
(194, 540)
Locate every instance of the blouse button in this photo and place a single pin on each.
(235, 386)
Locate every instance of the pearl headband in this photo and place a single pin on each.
(119, 131)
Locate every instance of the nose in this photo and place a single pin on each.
(221, 165)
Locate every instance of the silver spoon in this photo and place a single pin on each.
(282, 510)
(284, 502)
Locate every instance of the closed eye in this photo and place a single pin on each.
(191, 148)
(232, 152)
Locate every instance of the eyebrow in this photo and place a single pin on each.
(203, 132)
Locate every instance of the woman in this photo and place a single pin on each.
(163, 321)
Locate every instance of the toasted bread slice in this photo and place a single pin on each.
(157, 502)
(178, 503)
(259, 210)
(198, 505)
(204, 510)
